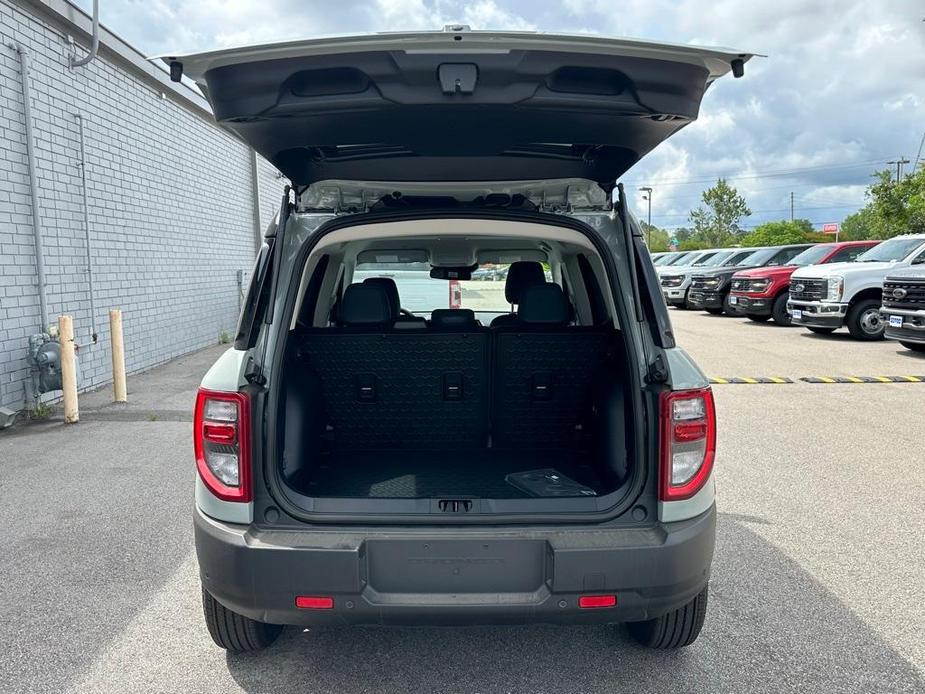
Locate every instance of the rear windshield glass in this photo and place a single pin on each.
(420, 293)
(894, 249)
(812, 255)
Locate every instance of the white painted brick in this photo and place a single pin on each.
(170, 203)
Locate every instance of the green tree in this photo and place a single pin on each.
(898, 208)
(859, 226)
(781, 233)
(657, 239)
(716, 222)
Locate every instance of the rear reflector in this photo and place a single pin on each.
(314, 602)
(591, 601)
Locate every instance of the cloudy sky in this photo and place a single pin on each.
(840, 93)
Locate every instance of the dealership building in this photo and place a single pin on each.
(117, 190)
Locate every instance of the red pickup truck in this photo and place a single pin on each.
(761, 293)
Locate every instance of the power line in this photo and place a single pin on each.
(760, 175)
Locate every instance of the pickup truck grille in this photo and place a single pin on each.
(807, 290)
(908, 294)
(739, 285)
(703, 283)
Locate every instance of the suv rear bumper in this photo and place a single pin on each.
(817, 314)
(408, 576)
(913, 324)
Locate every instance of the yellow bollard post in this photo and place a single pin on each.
(119, 393)
(68, 369)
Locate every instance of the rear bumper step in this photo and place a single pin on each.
(402, 576)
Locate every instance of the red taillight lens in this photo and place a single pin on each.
(688, 442)
(314, 602)
(590, 601)
(221, 439)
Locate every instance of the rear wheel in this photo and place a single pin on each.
(779, 309)
(914, 346)
(820, 331)
(235, 632)
(677, 629)
(758, 319)
(864, 322)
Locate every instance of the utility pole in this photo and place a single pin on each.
(791, 205)
(899, 167)
(648, 196)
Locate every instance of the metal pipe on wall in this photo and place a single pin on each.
(86, 211)
(94, 41)
(33, 185)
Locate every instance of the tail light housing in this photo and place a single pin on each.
(221, 439)
(688, 442)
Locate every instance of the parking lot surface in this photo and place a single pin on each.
(816, 587)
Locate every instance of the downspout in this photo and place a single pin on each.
(86, 210)
(94, 41)
(33, 186)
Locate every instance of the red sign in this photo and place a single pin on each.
(831, 228)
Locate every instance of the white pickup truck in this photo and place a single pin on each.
(823, 298)
(903, 311)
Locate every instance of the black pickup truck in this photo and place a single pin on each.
(710, 290)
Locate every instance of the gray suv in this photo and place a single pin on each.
(389, 442)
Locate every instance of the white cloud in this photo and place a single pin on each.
(842, 82)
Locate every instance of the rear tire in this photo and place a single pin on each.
(864, 321)
(779, 310)
(820, 331)
(914, 346)
(235, 632)
(677, 629)
(757, 318)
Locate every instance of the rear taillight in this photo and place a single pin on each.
(221, 438)
(688, 442)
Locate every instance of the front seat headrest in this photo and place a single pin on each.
(365, 304)
(521, 276)
(391, 290)
(453, 319)
(544, 304)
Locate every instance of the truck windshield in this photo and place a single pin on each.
(812, 255)
(758, 257)
(679, 260)
(706, 260)
(890, 251)
(738, 257)
(717, 259)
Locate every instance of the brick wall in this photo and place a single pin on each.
(170, 201)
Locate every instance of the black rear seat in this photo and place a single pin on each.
(392, 388)
(437, 388)
(545, 373)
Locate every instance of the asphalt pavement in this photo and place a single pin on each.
(816, 587)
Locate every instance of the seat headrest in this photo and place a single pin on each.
(365, 304)
(521, 276)
(544, 304)
(454, 318)
(391, 290)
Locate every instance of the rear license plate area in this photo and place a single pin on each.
(455, 566)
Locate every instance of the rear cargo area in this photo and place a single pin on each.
(446, 414)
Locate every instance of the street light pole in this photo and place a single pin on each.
(648, 197)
